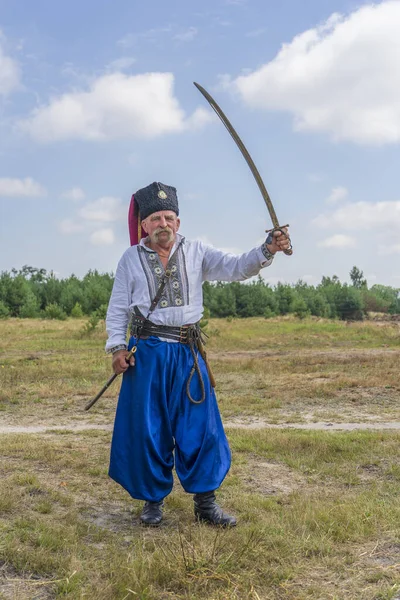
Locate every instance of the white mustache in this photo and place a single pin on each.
(159, 230)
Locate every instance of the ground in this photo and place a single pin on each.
(312, 414)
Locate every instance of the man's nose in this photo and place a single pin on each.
(163, 222)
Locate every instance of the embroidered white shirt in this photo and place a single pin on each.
(137, 281)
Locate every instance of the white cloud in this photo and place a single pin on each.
(106, 209)
(9, 73)
(387, 250)
(17, 188)
(68, 226)
(115, 106)
(75, 194)
(199, 118)
(338, 241)
(102, 237)
(186, 36)
(337, 194)
(342, 77)
(121, 64)
(363, 215)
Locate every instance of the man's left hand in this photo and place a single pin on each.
(280, 241)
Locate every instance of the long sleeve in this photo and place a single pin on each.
(218, 265)
(117, 319)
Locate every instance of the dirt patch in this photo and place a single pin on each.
(270, 478)
(386, 554)
(234, 422)
(336, 353)
(111, 517)
(258, 423)
(14, 585)
(48, 428)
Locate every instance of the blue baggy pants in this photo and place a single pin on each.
(157, 426)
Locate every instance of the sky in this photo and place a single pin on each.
(97, 100)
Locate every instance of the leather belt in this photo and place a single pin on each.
(191, 334)
(185, 334)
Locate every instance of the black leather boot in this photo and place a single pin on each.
(152, 513)
(206, 509)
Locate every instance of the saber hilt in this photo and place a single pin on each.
(109, 382)
(288, 251)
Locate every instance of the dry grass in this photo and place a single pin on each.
(286, 370)
(318, 512)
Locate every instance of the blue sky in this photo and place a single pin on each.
(97, 100)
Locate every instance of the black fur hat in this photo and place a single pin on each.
(156, 197)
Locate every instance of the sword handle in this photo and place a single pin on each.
(109, 382)
(280, 228)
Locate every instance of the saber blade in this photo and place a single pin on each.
(246, 156)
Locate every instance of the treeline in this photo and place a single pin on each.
(330, 299)
(31, 292)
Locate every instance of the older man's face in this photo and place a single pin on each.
(162, 226)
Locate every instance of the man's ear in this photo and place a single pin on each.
(178, 223)
(144, 225)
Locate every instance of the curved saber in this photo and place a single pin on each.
(247, 158)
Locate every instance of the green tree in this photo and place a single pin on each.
(299, 307)
(13, 291)
(54, 311)
(223, 301)
(30, 308)
(97, 290)
(357, 278)
(77, 311)
(284, 296)
(71, 294)
(4, 312)
(349, 304)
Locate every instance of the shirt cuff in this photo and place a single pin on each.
(116, 348)
(266, 257)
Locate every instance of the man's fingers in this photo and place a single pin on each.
(121, 362)
(280, 233)
(124, 364)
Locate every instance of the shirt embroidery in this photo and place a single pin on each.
(176, 291)
(268, 255)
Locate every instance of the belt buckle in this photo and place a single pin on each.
(183, 335)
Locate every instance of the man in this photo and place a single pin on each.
(167, 412)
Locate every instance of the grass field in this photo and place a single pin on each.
(318, 511)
